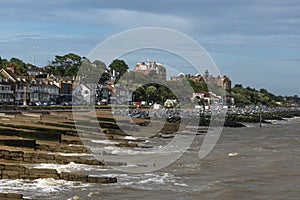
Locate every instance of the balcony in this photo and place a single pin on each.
(7, 100)
(6, 92)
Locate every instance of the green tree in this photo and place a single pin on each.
(19, 65)
(151, 93)
(139, 94)
(197, 86)
(91, 72)
(71, 71)
(66, 65)
(152, 74)
(3, 63)
(104, 77)
(120, 67)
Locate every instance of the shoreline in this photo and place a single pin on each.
(36, 138)
(43, 138)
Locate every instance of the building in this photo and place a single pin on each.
(42, 90)
(23, 90)
(197, 77)
(6, 92)
(209, 97)
(34, 71)
(155, 69)
(66, 86)
(223, 82)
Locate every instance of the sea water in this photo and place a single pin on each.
(246, 163)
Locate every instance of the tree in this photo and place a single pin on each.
(139, 94)
(3, 63)
(197, 85)
(19, 65)
(120, 67)
(71, 71)
(104, 77)
(153, 74)
(66, 65)
(151, 93)
(91, 72)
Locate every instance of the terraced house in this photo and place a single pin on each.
(6, 92)
(20, 90)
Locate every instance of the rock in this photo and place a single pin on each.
(75, 198)
(17, 168)
(73, 176)
(7, 174)
(10, 196)
(42, 173)
(103, 180)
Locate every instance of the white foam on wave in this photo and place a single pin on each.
(38, 187)
(104, 142)
(150, 181)
(71, 167)
(130, 138)
(75, 154)
(123, 151)
(141, 150)
(181, 184)
(233, 154)
(159, 178)
(75, 145)
(71, 154)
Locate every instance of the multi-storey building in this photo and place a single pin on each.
(22, 90)
(151, 68)
(221, 81)
(6, 92)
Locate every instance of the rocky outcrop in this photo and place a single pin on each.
(10, 196)
(19, 142)
(62, 148)
(21, 172)
(35, 157)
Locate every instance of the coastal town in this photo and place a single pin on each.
(149, 100)
(39, 86)
(43, 139)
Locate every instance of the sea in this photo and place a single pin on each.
(246, 163)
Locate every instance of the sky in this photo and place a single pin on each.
(256, 43)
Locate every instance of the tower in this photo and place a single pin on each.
(206, 74)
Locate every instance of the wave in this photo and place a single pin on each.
(104, 142)
(71, 167)
(39, 188)
(233, 154)
(70, 154)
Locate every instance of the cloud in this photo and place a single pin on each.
(14, 38)
(206, 17)
(249, 35)
(122, 18)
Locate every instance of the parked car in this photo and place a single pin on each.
(45, 103)
(104, 102)
(31, 104)
(66, 103)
